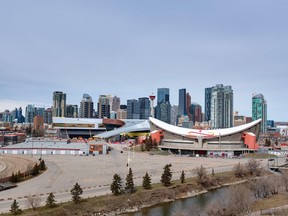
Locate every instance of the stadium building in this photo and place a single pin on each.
(219, 142)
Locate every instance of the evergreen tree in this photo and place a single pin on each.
(129, 182)
(182, 176)
(146, 184)
(167, 175)
(50, 202)
(116, 185)
(12, 178)
(19, 176)
(35, 170)
(15, 208)
(76, 191)
(42, 165)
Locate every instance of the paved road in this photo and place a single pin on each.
(95, 174)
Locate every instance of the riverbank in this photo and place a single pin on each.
(125, 203)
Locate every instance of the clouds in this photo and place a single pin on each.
(132, 48)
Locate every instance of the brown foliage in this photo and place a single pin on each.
(266, 187)
(33, 201)
(237, 202)
(203, 178)
(253, 167)
(239, 170)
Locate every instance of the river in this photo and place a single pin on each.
(192, 204)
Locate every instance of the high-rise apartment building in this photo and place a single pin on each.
(122, 114)
(133, 109)
(115, 103)
(144, 103)
(163, 95)
(40, 111)
(188, 105)
(30, 113)
(17, 115)
(259, 110)
(86, 107)
(228, 109)
(196, 112)
(221, 106)
(182, 105)
(48, 116)
(163, 108)
(59, 104)
(174, 114)
(208, 93)
(7, 116)
(72, 111)
(103, 107)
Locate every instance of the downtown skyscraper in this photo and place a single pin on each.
(182, 105)
(221, 106)
(86, 107)
(163, 107)
(259, 110)
(103, 107)
(59, 104)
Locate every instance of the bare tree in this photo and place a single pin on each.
(33, 201)
(239, 170)
(253, 167)
(203, 178)
(261, 188)
(285, 179)
(238, 202)
(275, 183)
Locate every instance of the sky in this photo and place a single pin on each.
(131, 48)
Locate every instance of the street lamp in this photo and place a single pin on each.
(41, 152)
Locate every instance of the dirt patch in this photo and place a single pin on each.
(13, 163)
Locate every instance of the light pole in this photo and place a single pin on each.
(32, 150)
(41, 152)
(128, 159)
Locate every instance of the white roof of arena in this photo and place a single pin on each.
(142, 125)
(198, 133)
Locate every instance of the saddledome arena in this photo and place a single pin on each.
(225, 142)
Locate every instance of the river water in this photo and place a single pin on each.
(185, 206)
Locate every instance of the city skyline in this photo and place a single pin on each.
(130, 49)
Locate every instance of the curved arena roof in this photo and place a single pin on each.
(198, 133)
